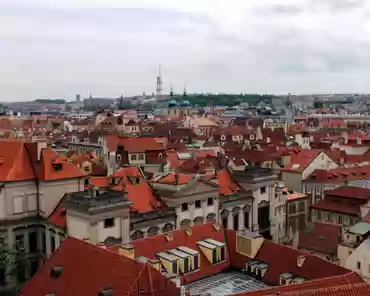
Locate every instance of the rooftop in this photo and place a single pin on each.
(94, 200)
(225, 283)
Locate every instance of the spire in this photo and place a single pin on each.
(185, 93)
(171, 92)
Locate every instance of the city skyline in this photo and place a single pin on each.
(55, 50)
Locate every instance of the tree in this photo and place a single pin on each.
(12, 263)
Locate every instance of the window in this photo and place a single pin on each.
(52, 243)
(18, 205)
(282, 281)
(223, 138)
(210, 201)
(184, 207)
(198, 204)
(34, 266)
(174, 267)
(246, 219)
(32, 240)
(318, 215)
(109, 223)
(186, 265)
(328, 257)
(86, 169)
(32, 202)
(133, 157)
(223, 254)
(358, 265)
(236, 221)
(214, 256)
(301, 206)
(263, 190)
(308, 189)
(2, 276)
(328, 217)
(43, 237)
(291, 208)
(339, 219)
(141, 156)
(317, 189)
(196, 262)
(160, 155)
(19, 241)
(119, 157)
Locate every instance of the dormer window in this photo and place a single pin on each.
(285, 278)
(215, 251)
(57, 166)
(223, 137)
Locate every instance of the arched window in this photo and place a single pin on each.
(153, 231)
(185, 223)
(167, 228)
(198, 220)
(211, 217)
(138, 234)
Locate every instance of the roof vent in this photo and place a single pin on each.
(107, 292)
(56, 272)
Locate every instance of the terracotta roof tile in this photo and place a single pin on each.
(323, 238)
(330, 206)
(88, 270)
(149, 247)
(136, 145)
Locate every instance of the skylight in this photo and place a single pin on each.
(295, 166)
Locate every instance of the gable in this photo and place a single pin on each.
(197, 187)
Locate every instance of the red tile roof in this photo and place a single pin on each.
(149, 247)
(282, 259)
(88, 270)
(330, 206)
(14, 162)
(227, 185)
(351, 192)
(301, 159)
(47, 172)
(322, 238)
(172, 178)
(58, 217)
(327, 286)
(340, 175)
(137, 145)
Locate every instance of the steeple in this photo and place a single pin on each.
(171, 92)
(185, 93)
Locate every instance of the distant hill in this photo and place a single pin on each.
(203, 100)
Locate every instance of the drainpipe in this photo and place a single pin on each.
(252, 228)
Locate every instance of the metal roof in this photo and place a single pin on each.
(360, 228)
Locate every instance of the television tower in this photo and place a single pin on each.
(159, 83)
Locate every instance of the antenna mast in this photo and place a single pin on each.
(159, 83)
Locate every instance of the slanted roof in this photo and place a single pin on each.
(89, 269)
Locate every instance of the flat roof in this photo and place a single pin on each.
(226, 283)
(360, 228)
(178, 253)
(188, 250)
(214, 242)
(167, 256)
(206, 245)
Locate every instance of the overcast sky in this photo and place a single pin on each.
(57, 48)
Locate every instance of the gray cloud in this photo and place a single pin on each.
(300, 46)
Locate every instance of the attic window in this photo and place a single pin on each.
(296, 166)
(56, 272)
(57, 166)
(107, 292)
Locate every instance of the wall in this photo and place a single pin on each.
(292, 180)
(25, 189)
(322, 162)
(77, 226)
(51, 193)
(359, 260)
(114, 231)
